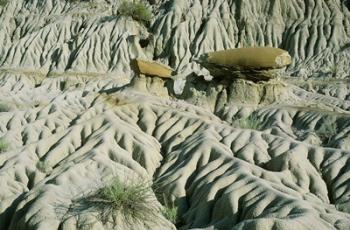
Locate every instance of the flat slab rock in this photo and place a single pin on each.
(255, 63)
(151, 68)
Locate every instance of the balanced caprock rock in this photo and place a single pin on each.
(151, 77)
(253, 63)
(151, 68)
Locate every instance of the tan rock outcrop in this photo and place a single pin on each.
(151, 68)
(254, 63)
(251, 58)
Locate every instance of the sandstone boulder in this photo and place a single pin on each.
(151, 68)
(255, 63)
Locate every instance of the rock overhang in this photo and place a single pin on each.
(255, 63)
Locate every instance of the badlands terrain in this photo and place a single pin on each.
(224, 153)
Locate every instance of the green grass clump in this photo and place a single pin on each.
(3, 144)
(327, 130)
(136, 9)
(251, 122)
(170, 213)
(169, 210)
(333, 70)
(133, 200)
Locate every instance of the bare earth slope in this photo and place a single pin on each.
(74, 120)
(219, 175)
(54, 36)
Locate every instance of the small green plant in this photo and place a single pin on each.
(327, 130)
(169, 211)
(333, 69)
(3, 2)
(133, 200)
(3, 145)
(4, 108)
(136, 9)
(251, 122)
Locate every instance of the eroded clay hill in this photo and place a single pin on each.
(229, 154)
(65, 144)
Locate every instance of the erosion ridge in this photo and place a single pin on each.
(232, 175)
(54, 36)
(229, 153)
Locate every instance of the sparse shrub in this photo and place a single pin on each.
(133, 200)
(4, 108)
(43, 167)
(251, 122)
(333, 70)
(3, 145)
(169, 209)
(327, 130)
(136, 9)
